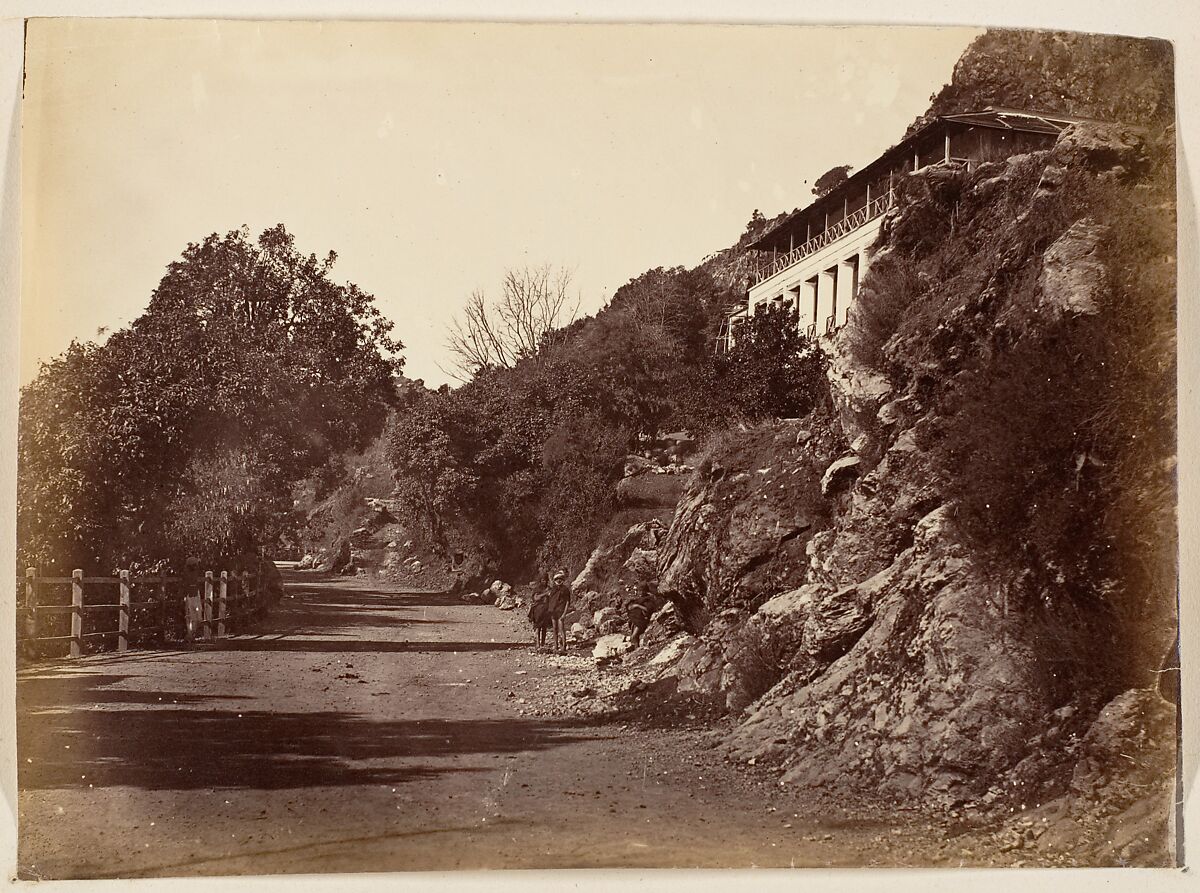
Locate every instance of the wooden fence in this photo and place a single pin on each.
(150, 607)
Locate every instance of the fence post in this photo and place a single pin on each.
(222, 603)
(31, 605)
(208, 604)
(123, 614)
(76, 612)
(162, 607)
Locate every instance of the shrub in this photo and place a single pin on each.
(756, 660)
(773, 371)
(1058, 441)
(889, 290)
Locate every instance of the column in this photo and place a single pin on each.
(791, 300)
(808, 303)
(826, 298)
(847, 285)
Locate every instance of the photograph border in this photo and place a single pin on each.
(1172, 21)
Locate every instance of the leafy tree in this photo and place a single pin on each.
(182, 433)
(831, 180)
(773, 371)
(756, 223)
(525, 459)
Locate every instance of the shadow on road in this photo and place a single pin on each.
(89, 725)
(372, 598)
(173, 749)
(323, 646)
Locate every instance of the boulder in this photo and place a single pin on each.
(1127, 745)
(603, 616)
(839, 474)
(339, 558)
(663, 625)
(739, 536)
(858, 391)
(610, 646)
(611, 568)
(1101, 146)
(904, 667)
(673, 650)
(270, 580)
(505, 603)
(637, 465)
(1073, 276)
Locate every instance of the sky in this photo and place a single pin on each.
(432, 157)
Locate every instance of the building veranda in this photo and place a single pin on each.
(812, 262)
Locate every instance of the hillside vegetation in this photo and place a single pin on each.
(941, 569)
(182, 434)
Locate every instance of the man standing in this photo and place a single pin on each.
(559, 598)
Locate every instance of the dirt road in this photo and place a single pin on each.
(361, 729)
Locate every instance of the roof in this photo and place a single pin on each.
(996, 117)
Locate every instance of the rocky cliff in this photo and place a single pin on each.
(843, 594)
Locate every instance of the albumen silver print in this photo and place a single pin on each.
(533, 446)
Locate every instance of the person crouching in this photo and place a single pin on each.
(640, 606)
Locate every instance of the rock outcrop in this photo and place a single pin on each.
(613, 569)
(740, 531)
(1073, 277)
(832, 596)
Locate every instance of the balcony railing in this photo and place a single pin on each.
(846, 225)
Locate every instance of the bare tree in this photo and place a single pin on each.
(534, 303)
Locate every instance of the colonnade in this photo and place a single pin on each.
(822, 301)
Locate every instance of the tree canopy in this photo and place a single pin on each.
(520, 463)
(182, 433)
(831, 180)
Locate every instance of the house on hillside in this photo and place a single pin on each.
(813, 260)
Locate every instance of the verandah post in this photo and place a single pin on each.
(123, 614)
(222, 602)
(76, 612)
(208, 604)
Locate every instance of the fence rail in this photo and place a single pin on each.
(182, 607)
(835, 231)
